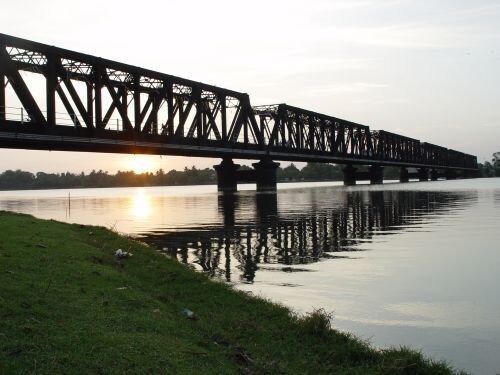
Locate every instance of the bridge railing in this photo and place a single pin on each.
(21, 115)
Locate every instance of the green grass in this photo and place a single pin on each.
(68, 306)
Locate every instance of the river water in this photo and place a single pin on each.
(414, 264)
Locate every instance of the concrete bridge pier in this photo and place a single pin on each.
(423, 174)
(349, 175)
(404, 175)
(450, 174)
(471, 174)
(265, 175)
(227, 180)
(376, 174)
(434, 175)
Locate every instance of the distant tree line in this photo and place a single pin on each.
(16, 180)
(492, 169)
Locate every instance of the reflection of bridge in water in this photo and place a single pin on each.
(295, 238)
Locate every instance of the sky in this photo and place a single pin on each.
(425, 69)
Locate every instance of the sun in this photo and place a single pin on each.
(140, 163)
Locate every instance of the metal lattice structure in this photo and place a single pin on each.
(93, 104)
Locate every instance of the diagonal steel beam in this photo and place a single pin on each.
(72, 92)
(21, 89)
(115, 97)
(68, 106)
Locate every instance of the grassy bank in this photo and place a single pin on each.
(67, 305)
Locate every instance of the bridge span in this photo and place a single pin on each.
(56, 99)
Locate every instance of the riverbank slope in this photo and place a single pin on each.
(68, 305)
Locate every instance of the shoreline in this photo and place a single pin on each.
(67, 304)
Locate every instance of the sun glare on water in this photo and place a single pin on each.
(140, 204)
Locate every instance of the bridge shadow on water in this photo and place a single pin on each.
(273, 232)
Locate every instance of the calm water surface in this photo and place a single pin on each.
(398, 264)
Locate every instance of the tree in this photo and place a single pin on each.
(496, 163)
(290, 173)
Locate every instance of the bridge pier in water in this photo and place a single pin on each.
(423, 174)
(375, 175)
(450, 174)
(404, 175)
(264, 174)
(434, 175)
(226, 175)
(349, 175)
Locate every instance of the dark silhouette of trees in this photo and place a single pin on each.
(496, 163)
(16, 180)
(491, 169)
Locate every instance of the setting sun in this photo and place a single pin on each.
(141, 163)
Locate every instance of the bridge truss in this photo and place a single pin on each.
(57, 99)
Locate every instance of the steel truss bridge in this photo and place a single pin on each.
(57, 99)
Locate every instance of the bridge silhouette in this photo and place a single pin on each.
(57, 99)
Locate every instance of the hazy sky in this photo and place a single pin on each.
(426, 69)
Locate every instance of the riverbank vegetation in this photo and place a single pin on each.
(492, 169)
(68, 304)
(22, 180)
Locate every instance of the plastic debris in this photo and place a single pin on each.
(189, 314)
(122, 254)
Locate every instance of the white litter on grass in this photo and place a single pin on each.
(122, 254)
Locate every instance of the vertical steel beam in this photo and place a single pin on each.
(199, 113)
(280, 122)
(3, 108)
(223, 117)
(51, 84)
(170, 108)
(137, 102)
(90, 102)
(124, 103)
(98, 96)
(154, 123)
(299, 131)
(312, 132)
(245, 125)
